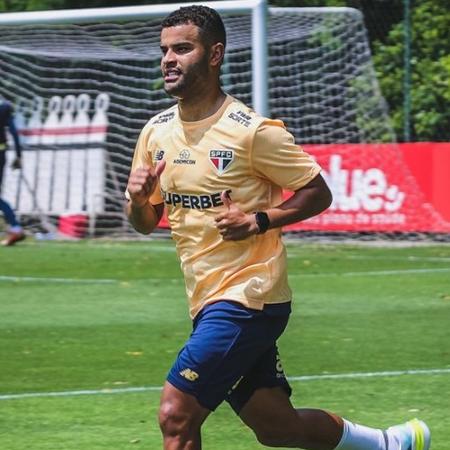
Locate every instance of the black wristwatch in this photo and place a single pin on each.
(263, 221)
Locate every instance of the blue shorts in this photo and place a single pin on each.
(231, 352)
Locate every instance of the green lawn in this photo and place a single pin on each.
(103, 316)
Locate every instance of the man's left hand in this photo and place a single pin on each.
(234, 224)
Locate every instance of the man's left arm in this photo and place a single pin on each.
(306, 202)
(277, 158)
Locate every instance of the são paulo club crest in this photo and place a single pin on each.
(221, 159)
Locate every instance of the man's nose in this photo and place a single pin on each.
(169, 57)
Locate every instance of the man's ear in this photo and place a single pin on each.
(216, 54)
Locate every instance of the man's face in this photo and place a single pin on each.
(184, 63)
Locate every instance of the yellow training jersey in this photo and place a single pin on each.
(234, 150)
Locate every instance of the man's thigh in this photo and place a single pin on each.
(265, 374)
(269, 408)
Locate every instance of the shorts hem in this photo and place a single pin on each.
(183, 388)
(237, 406)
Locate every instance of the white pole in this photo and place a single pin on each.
(117, 13)
(260, 86)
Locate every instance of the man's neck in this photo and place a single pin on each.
(195, 109)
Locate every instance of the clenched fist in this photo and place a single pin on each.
(142, 183)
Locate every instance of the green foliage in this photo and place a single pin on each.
(31, 5)
(368, 123)
(430, 68)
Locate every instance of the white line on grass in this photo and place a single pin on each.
(373, 272)
(392, 373)
(81, 392)
(336, 376)
(324, 274)
(144, 246)
(398, 258)
(59, 280)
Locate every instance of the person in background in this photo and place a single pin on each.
(15, 231)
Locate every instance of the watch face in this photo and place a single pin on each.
(263, 222)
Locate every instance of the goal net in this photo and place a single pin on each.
(82, 93)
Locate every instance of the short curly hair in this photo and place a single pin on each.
(208, 20)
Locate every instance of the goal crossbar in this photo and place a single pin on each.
(257, 9)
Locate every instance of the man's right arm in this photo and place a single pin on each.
(144, 218)
(141, 184)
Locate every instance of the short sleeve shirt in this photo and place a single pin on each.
(251, 157)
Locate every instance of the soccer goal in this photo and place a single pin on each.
(84, 82)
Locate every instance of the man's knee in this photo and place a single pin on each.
(180, 415)
(173, 421)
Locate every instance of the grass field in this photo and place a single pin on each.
(81, 324)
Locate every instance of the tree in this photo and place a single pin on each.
(430, 93)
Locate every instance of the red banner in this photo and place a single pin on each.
(383, 187)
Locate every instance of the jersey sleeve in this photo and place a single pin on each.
(143, 156)
(276, 157)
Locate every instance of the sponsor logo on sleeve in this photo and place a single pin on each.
(240, 117)
(159, 155)
(163, 118)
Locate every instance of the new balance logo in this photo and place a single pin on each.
(189, 374)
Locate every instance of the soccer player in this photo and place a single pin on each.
(220, 168)
(15, 232)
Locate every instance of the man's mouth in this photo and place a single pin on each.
(171, 75)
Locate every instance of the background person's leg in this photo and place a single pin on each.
(15, 231)
(10, 217)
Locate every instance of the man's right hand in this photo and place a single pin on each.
(142, 183)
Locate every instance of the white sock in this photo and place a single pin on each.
(16, 229)
(360, 437)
